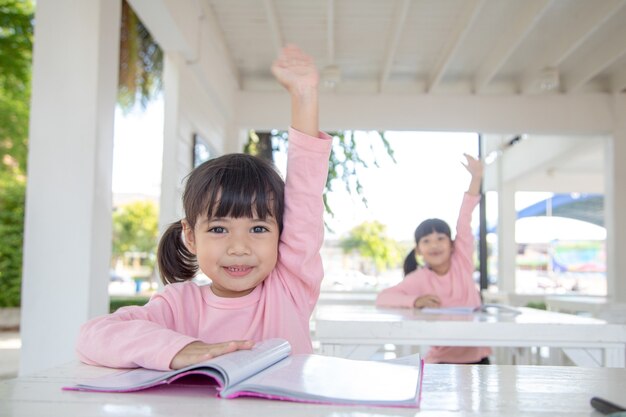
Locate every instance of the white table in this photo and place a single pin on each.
(576, 304)
(347, 297)
(448, 390)
(357, 331)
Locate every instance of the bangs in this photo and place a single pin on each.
(255, 200)
(432, 226)
(236, 185)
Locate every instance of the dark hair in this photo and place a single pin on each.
(410, 263)
(234, 185)
(431, 226)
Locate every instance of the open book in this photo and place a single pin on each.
(269, 371)
(485, 308)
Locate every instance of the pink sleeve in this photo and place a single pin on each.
(464, 239)
(299, 262)
(403, 294)
(134, 336)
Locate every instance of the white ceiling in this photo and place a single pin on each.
(479, 47)
(427, 65)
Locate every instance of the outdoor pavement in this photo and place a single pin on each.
(10, 344)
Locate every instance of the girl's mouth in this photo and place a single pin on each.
(238, 270)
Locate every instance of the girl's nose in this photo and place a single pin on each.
(238, 247)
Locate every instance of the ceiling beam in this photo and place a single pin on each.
(618, 83)
(399, 20)
(522, 26)
(539, 155)
(218, 35)
(572, 37)
(578, 34)
(464, 24)
(272, 20)
(597, 61)
(552, 114)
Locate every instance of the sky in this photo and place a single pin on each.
(428, 180)
(138, 151)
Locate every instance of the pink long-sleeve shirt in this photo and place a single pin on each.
(456, 288)
(281, 306)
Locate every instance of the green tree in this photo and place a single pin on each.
(135, 229)
(16, 39)
(140, 77)
(370, 240)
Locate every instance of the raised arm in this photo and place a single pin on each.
(464, 240)
(299, 265)
(297, 72)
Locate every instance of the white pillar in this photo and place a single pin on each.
(170, 207)
(67, 237)
(615, 204)
(507, 247)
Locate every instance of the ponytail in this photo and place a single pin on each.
(410, 263)
(176, 262)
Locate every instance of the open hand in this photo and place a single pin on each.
(429, 300)
(474, 166)
(196, 352)
(296, 71)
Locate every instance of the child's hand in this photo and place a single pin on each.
(196, 352)
(296, 71)
(474, 166)
(429, 300)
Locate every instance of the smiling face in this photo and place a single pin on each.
(237, 254)
(436, 251)
(234, 206)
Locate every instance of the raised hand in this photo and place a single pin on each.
(475, 168)
(196, 352)
(296, 71)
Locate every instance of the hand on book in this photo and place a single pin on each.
(428, 300)
(196, 352)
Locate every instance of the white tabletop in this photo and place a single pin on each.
(360, 325)
(448, 390)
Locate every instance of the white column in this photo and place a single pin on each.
(507, 247)
(615, 204)
(170, 206)
(67, 238)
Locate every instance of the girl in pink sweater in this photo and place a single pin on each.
(446, 278)
(254, 235)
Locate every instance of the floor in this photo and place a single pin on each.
(10, 344)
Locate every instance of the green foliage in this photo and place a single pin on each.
(116, 302)
(16, 43)
(16, 37)
(135, 228)
(12, 193)
(370, 240)
(141, 63)
(540, 305)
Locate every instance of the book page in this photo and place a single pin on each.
(316, 378)
(448, 310)
(129, 380)
(241, 364)
(226, 369)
